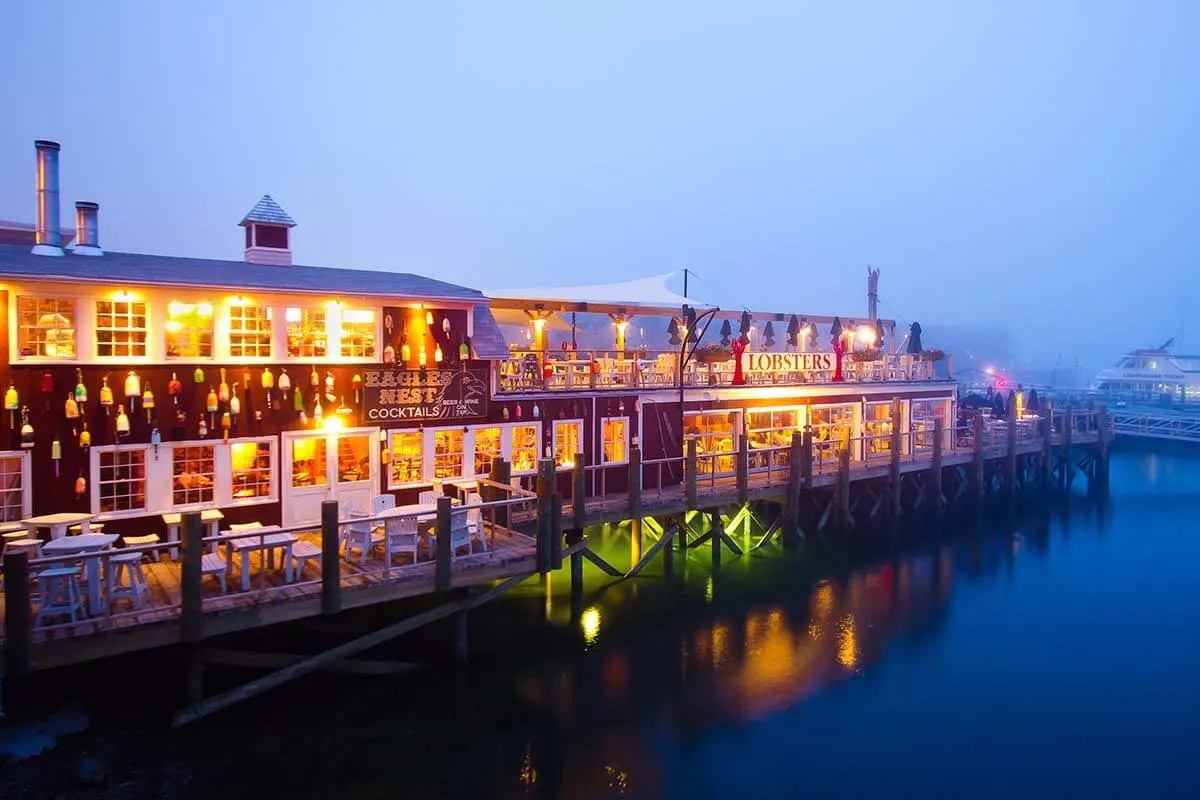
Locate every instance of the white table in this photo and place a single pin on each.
(211, 518)
(90, 544)
(267, 540)
(463, 487)
(58, 523)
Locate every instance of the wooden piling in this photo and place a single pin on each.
(331, 568)
(1046, 467)
(501, 473)
(1102, 431)
(668, 552)
(935, 475)
(556, 539)
(844, 519)
(895, 485)
(743, 468)
(689, 474)
(1010, 457)
(635, 481)
(544, 521)
(18, 625)
(791, 505)
(191, 606)
(443, 550)
(574, 536)
(1068, 472)
(715, 536)
(579, 490)
(635, 541)
(977, 460)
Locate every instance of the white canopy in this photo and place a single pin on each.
(651, 292)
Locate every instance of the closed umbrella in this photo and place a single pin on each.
(914, 338)
(1033, 404)
(793, 331)
(726, 332)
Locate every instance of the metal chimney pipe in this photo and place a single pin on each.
(87, 229)
(47, 239)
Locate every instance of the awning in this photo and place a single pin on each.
(643, 294)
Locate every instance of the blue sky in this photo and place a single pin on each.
(1022, 163)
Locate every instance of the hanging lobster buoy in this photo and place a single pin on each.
(505, 413)
(330, 396)
(356, 382)
(122, 422)
(405, 351)
(318, 412)
(313, 379)
(179, 428)
(148, 401)
(210, 405)
(446, 325)
(223, 388)
(422, 358)
(80, 486)
(285, 383)
(80, 389)
(344, 410)
(437, 354)
(268, 383)
(518, 410)
(298, 398)
(133, 390)
(203, 428)
(11, 404)
(56, 454)
(226, 424)
(71, 407)
(235, 403)
(26, 429)
(389, 354)
(174, 388)
(106, 395)
(464, 352)
(156, 440)
(198, 375)
(47, 387)
(85, 438)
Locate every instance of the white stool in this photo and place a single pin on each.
(129, 564)
(213, 564)
(143, 541)
(58, 593)
(302, 553)
(31, 546)
(95, 527)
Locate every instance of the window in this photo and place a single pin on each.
(249, 331)
(832, 427)
(408, 457)
(120, 329)
(12, 488)
(192, 474)
(358, 333)
(568, 440)
(306, 332)
(121, 482)
(922, 414)
(354, 458)
(769, 429)
(309, 462)
(487, 449)
(713, 433)
(46, 327)
(189, 330)
(448, 453)
(877, 430)
(252, 470)
(525, 448)
(614, 436)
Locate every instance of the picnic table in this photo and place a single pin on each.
(265, 540)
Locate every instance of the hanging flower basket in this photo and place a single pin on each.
(713, 354)
(868, 356)
(932, 355)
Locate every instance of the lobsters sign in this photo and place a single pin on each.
(789, 362)
(438, 394)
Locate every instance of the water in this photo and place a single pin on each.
(1051, 655)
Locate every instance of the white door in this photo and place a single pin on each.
(320, 465)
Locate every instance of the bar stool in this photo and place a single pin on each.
(76, 530)
(129, 564)
(31, 546)
(143, 541)
(59, 593)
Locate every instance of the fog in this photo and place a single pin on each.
(1023, 166)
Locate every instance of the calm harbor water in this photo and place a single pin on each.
(1044, 655)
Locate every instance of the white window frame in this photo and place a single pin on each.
(15, 325)
(225, 333)
(224, 468)
(424, 481)
(428, 437)
(474, 433)
(333, 336)
(578, 423)
(468, 452)
(171, 450)
(329, 332)
(508, 446)
(26, 479)
(746, 412)
(148, 492)
(153, 345)
(603, 442)
(218, 340)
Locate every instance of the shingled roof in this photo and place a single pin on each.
(149, 270)
(268, 211)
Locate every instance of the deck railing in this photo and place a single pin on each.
(555, 371)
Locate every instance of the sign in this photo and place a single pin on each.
(789, 362)
(1000, 382)
(394, 395)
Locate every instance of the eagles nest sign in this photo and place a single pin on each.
(433, 394)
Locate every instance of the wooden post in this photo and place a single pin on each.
(743, 468)
(689, 474)
(844, 488)
(977, 459)
(18, 625)
(501, 473)
(668, 552)
(545, 492)
(894, 483)
(1010, 458)
(939, 436)
(1101, 468)
(791, 505)
(191, 608)
(574, 536)
(718, 528)
(1047, 466)
(579, 490)
(635, 481)
(635, 541)
(443, 551)
(556, 536)
(1068, 474)
(331, 566)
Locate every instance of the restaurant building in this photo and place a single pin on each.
(143, 385)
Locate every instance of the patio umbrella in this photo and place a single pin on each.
(835, 330)
(1032, 403)
(693, 336)
(726, 332)
(879, 341)
(745, 326)
(793, 331)
(769, 335)
(673, 330)
(914, 338)
(998, 405)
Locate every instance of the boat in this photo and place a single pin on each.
(1150, 375)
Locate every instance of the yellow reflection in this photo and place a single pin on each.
(847, 643)
(589, 621)
(708, 586)
(822, 603)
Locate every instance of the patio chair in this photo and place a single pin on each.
(128, 564)
(59, 593)
(460, 535)
(401, 536)
(475, 518)
(428, 497)
(361, 536)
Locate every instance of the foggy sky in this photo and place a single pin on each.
(1022, 163)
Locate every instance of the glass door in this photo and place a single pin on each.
(320, 466)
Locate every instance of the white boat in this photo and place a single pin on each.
(1151, 375)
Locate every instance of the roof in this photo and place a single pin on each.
(651, 292)
(486, 338)
(267, 210)
(138, 268)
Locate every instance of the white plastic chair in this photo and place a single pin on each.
(59, 593)
(460, 534)
(361, 536)
(401, 536)
(475, 518)
(428, 497)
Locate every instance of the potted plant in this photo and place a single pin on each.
(713, 353)
(931, 355)
(867, 356)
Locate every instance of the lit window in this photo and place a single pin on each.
(354, 458)
(249, 331)
(770, 429)
(309, 463)
(568, 440)
(714, 434)
(120, 328)
(252, 469)
(525, 449)
(615, 436)
(358, 333)
(487, 449)
(192, 472)
(189, 330)
(46, 327)
(306, 332)
(448, 453)
(121, 482)
(832, 427)
(408, 457)
(12, 489)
